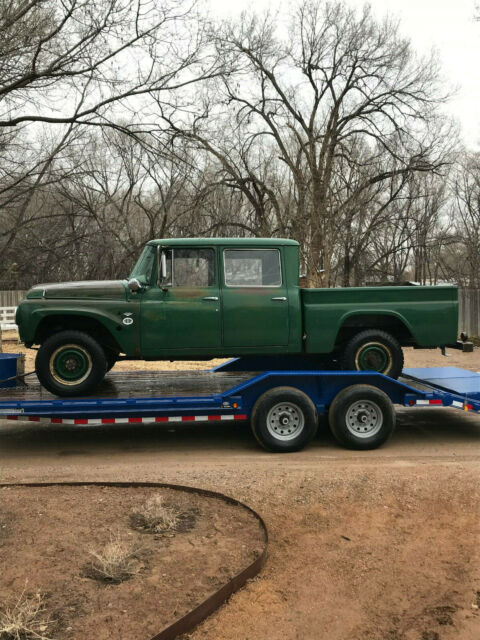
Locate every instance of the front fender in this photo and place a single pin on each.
(110, 316)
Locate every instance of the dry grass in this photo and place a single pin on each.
(117, 561)
(155, 516)
(25, 620)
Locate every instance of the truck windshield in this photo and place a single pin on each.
(144, 267)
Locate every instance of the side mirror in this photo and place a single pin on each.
(135, 285)
(162, 268)
(163, 265)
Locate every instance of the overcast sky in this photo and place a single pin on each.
(446, 25)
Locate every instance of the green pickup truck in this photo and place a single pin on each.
(201, 298)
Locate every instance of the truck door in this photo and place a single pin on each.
(184, 314)
(255, 299)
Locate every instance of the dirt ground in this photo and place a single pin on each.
(175, 572)
(375, 545)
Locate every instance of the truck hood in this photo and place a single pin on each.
(99, 289)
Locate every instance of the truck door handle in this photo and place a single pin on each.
(279, 299)
(211, 298)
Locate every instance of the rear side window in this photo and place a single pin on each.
(191, 267)
(252, 268)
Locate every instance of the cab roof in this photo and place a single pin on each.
(230, 242)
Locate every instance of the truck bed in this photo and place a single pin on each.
(428, 315)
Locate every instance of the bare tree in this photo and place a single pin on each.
(336, 75)
(461, 257)
(83, 63)
(122, 121)
(73, 61)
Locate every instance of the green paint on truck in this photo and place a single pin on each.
(200, 298)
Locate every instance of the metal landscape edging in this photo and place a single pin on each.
(195, 616)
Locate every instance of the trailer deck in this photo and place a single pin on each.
(227, 393)
(145, 391)
(136, 384)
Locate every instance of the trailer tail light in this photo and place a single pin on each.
(425, 403)
(462, 405)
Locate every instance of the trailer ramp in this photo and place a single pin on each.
(461, 388)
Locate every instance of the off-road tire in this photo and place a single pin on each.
(384, 351)
(111, 358)
(289, 405)
(361, 417)
(56, 355)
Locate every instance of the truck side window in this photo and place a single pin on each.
(192, 267)
(252, 268)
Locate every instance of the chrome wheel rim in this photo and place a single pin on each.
(364, 419)
(285, 421)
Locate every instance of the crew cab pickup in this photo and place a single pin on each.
(200, 298)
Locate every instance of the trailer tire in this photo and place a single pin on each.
(284, 419)
(70, 363)
(361, 417)
(373, 350)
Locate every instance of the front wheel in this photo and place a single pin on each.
(361, 417)
(111, 358)
(284, 419)
(70, 363)
(373, 350)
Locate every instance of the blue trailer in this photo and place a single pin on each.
(282, 399)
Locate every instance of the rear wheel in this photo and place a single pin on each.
(361, 417)
(373, 350)
(284, 419)
(70, 363)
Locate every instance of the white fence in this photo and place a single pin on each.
(9, 301)
(11, 298)
(7, 318)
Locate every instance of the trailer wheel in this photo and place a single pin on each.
(284, 419)
(70, 363)
(373, 350)
(361, 417)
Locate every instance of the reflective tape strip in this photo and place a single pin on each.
(133, 420)
(435, 401)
